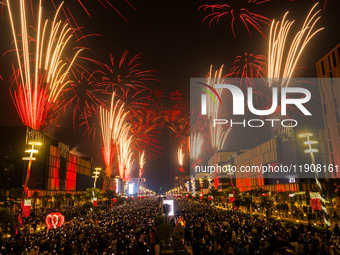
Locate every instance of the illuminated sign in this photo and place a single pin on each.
(171, 204)
(131, 188)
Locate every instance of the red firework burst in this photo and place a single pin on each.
(248, 67)
(176, 95)
(107, 4)
(247, 17)
(127, 73)
(145, 128)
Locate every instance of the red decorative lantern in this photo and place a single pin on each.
(201, 196)
(94, 201)
(54, 220)
(315, 203)
(231, 199)
(187, 196)
(127, 199)
(209, 198)
(193, 196)
(132, 197)
(114, 200)
(26, 208)
(181, 195)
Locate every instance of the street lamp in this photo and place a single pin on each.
(95, 176)
(32, 150)
(311, 152)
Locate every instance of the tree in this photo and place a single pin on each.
(68, 197)
(7, 217)
(88, 205)
(97, 193)
(246, 202)
(35, 195)
(78, 198)
(267, 204)
(214, 193)
(46, 198)
(109, 194)
(59, 198)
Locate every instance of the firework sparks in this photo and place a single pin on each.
(39, 82)
(141, 163)
(247, 18)
(125, 155)
(196, 142)
(145, 128)
(181, 155)
(127, 73)
(107, 4)
(112, 125)
(218, 136)
(277, 41)
(248, 67)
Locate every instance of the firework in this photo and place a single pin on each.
(145, 128)
(107, 4)
(112, 125)
(245, 16)
(181, 155)
(127, 73)
(125, 155)
(218, 136)
(39, 82)
(324, 4)
(248, 67)
(277, 42)
(196, 142)
(141, 163)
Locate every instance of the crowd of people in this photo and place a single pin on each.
(210, 230)
(130, 229)
(126, 229)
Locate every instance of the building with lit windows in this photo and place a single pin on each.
(286, 149)
(55, 169)
(329, 67)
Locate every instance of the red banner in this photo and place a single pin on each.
(315, 203)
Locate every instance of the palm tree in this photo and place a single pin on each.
(109, 194)
(78, 198)
(59, 198)
(68, 197)
(46, 198)
(35, 195)
(267, 204)
(214, 193)
(97, 193)
(246, 202)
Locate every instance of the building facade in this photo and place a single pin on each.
(55, 169)
(329, 67)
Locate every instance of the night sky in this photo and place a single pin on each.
(173, 40)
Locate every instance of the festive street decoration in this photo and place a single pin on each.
(54, 220)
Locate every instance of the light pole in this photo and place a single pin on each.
(30, 159)
(311, 152)
(95, 176)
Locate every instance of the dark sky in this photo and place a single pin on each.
(172, 39)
